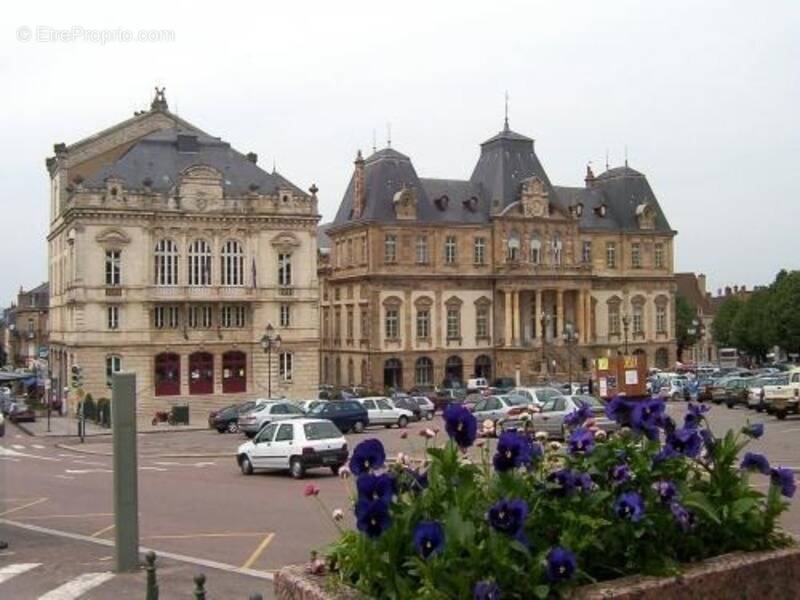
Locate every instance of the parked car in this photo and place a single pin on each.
(755, 390)
(477, 383)
(503, 385)
(20, 412)
(347, 415)
(426, 406)
(409, 404)
(2, 424)
(307, 405)
(784, 399)
(265, 412)
(550, 419)
(382, 411)
(447, 396)
(227, 419)
(536, 396)
(495, 408)
(733, 392)
(296, 445)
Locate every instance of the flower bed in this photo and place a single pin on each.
(532, 519)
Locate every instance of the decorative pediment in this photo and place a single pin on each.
(534, 200)
(201, 187)
(483, 301)
(392, 302)
(646, 216)
(423, 302)
(285, 241)
(405, 204)
(453, 302)
(112, 237)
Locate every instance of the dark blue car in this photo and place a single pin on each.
(347, 415)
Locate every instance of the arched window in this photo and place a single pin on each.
(232, 259)
(483, 367)
(393, 373)
(423, 371)
(536, 249)
(234, 372)
(199, 263)
(166, 263)
(167, 374)
(454, 371)
(512, 253)
(662, 358)
(201, 373)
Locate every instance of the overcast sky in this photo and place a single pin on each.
(705, 95)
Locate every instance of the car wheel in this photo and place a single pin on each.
(402, 422)
(221, 430)
(729, 404)
(429, 416)
(246, 466)
(233, 427)
(297, 469)
(781, 414)
(335, 469)
(759, 408)
(358, 427)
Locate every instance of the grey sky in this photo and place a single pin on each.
(704, 94)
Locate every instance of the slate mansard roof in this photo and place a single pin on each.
(506, 160)
(161, 157)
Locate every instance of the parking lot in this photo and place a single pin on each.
(195, 503)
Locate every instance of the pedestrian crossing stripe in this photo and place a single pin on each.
(77, 587)
(10, 571)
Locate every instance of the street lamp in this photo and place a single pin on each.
(269, 341)
(570, 338)
(625, 322)
(545, 322)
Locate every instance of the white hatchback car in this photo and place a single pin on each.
(382, 411)
(295, 445)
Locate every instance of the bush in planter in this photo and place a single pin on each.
(103, 416)
(533, 519)
(89, 408)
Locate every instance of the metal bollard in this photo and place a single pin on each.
(152, 585)
(199, 589)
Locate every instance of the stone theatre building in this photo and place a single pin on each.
(169, 253)
(429, 280)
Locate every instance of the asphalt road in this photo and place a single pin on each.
(203, 509)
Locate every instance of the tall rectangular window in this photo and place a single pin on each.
(285, 315)
(661, 319)
(350, 252)
(390, 249)
(658, 256)
(112, 317)
(364, 322)
(200, 317)
(611, 255)
(450, 250)
(233, 316)
(636, 255)
(613, 319)
(392, 323)
(284, 268)
(422, 250)
(482, 322)
(166, 317)
(113, 365)
(350, 322)
(113, 267)
(173, 317)
(586, 252)
(453, 323)
(638, 319)
(479, 251)
(337, 325)
(423, 323)
(286, 366)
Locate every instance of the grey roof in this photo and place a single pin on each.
(323, 241)
(156, 158)
(506, 160)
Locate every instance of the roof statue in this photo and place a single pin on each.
(159, 100)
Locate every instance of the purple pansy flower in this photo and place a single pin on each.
(753, 430)
(428, 538)
(684, 517)
(561, 565)
(685, 441)
(513, 450)
(486, 590)
(581, 440)
(666, 490)
(372, 517)
(461, 425)
(783, 478)
(508, 516)
(755, 462)
(376, 487)
(629, 506)
(578, 416)
(619, 474)
(368, 455)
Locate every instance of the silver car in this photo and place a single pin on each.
(536, 396)
(266, 412)
(495, 408)
(550, 419)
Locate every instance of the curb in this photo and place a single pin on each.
(109, 433)
(82, 450)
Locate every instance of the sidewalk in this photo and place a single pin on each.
(181, 444)
(68, 427)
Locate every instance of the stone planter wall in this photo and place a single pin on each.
(771, 575)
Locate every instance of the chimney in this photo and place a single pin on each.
(736, 289)
(719, 292)
(743, 289)
(589, 179)
(701, 283)
(359, 191)
(727, 290)
(252, 157)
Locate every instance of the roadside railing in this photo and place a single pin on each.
(199, 593)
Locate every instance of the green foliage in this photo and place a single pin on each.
(722, 327)
(726, 515)
(103, 416)
(785, 311)
(89, 408)
(751, 327)
(685, 313)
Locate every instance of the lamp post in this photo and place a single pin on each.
(570, 338)
(625, 323)
(269, 341)
(545, 322)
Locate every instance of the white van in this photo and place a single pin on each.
(478, 383)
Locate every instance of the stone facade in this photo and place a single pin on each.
(169, 253)
(426, 281)
(25, 328)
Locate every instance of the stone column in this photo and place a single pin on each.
(539, 314)
(517, 317)
(508, 334)
(559, 313)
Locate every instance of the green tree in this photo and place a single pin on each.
(750, 329)
(722, 327)
(784, 317)
(685, 314)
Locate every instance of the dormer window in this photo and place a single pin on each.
(441, 202)
(601, 210)
(471, 204)
(577, 210)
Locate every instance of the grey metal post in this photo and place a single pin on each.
(126, 492)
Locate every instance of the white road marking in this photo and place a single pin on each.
(91, 463)
(14, 453)
(38, 446)
(792, 430)
(65, 476)
(85, 471)
(204, 464)
(9, 459)
(10, 571)
(168, 464)
(152, 469)
(75, 588)
(17, 447)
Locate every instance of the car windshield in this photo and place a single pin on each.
(317, 408)
(516, 399)
(590, 400)
(324, 430)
